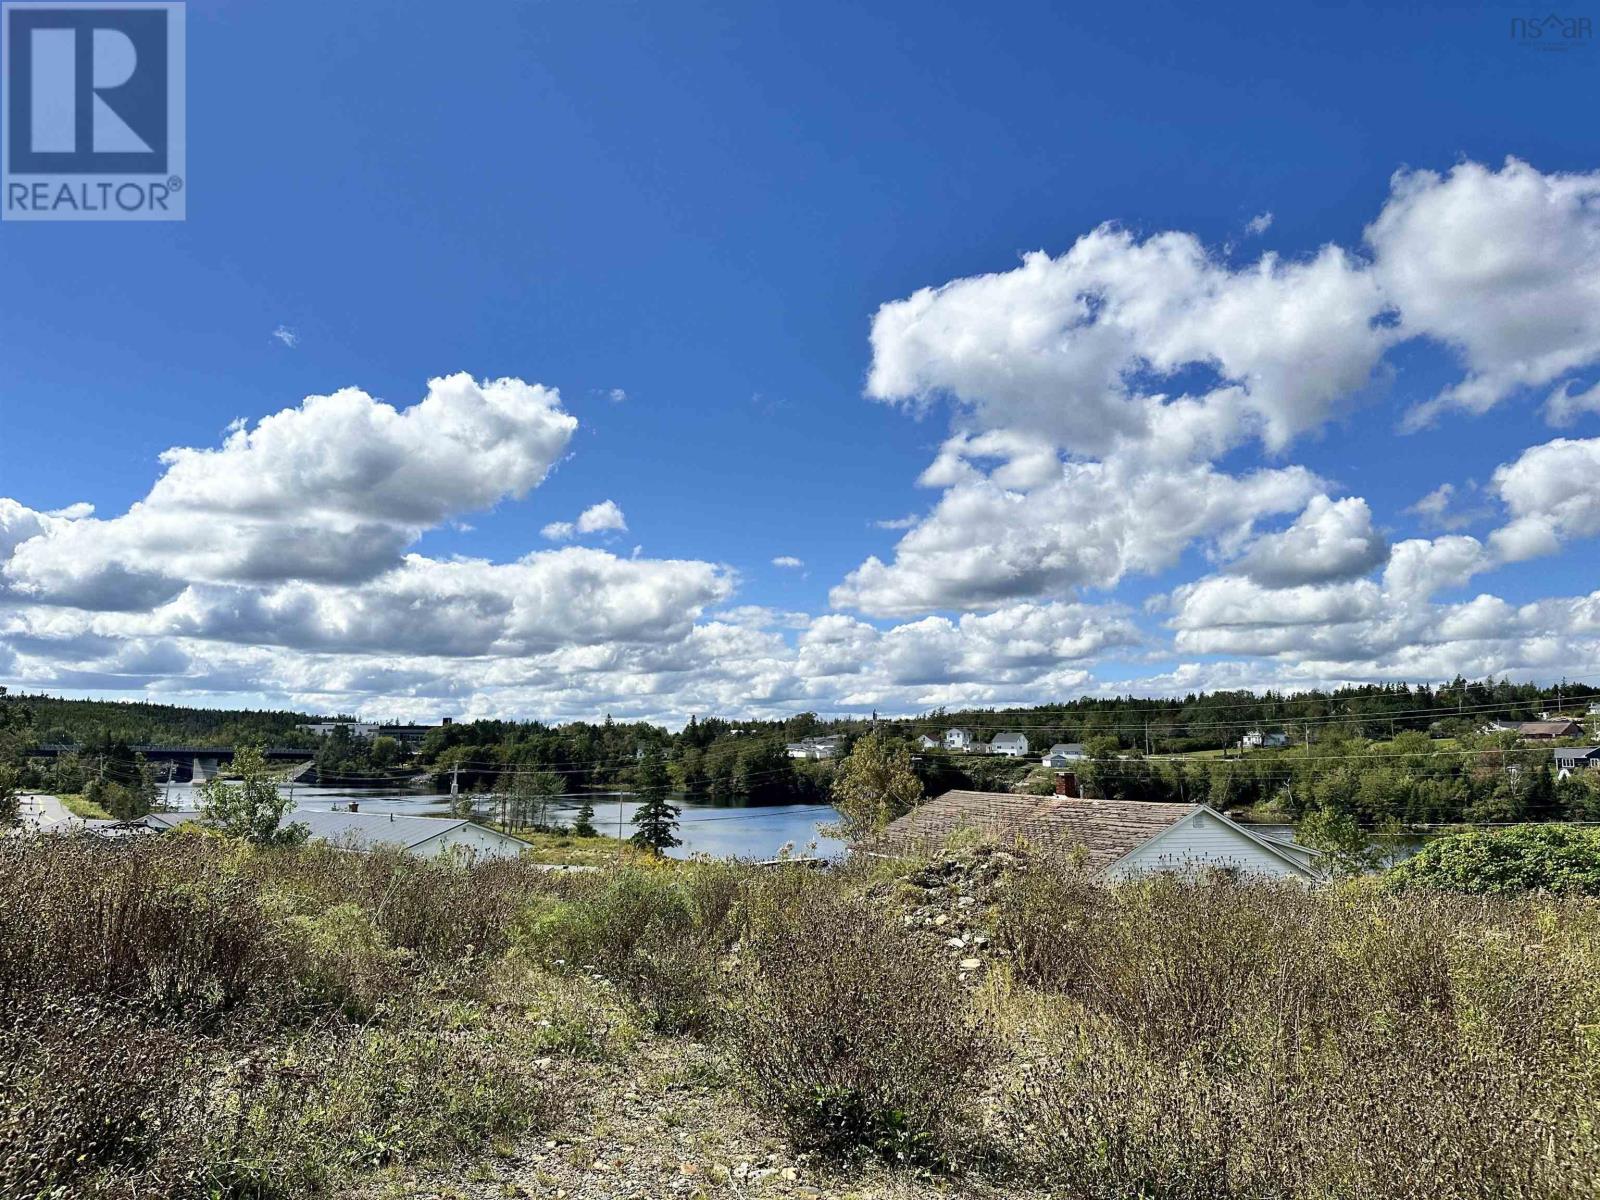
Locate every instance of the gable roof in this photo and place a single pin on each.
(1010, 736)
(357, 830)
(1548, 728)
(1108, 830)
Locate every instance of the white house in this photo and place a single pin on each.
(958, 740)
(1063, 753)
(928, 742)
(816, 747)
(1118, 839)
(1012, 745)
(427, 837)
(1258, 740)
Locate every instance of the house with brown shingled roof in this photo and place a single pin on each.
(1118, 838)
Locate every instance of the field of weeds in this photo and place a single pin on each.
(188, 1017)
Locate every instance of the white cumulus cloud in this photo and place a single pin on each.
(597, 518)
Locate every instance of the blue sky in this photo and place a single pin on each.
(700, 210)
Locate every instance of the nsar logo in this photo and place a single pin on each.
(93, 127)
(1552, 32)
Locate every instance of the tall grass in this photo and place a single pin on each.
(186, 1017)
(1204, 1038)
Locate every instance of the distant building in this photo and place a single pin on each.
(426, 837)
(1012, 745)
(1119, 839)
(958, 740)
(1065, 752)
(1575, 758)
(816, 747)
(365, 730)
(1549, 731)
(411, 736)
(928, 742)
(1258, 739)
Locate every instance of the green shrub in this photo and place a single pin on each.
(330, 1106)
(1553, 858)
(637, 928)
(1200, 1038)
(567, 1012)
(165, 925)
(176, 1017)
(849, 1033)
(342, 958)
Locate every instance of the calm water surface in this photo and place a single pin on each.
(731, 831)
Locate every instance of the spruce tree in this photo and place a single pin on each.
(656, 821)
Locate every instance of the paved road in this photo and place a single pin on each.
(41, 812)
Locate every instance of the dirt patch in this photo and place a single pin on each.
(667, 1123)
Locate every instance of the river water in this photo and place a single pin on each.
(724, 831)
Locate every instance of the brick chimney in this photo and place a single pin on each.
(1067, 784)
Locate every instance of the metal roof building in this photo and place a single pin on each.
(428, 837)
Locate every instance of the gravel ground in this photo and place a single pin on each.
(668, 1121)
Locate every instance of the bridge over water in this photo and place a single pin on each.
(202, 761)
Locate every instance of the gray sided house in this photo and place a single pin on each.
(1575, 758)
(427, 837)
(1118, 839)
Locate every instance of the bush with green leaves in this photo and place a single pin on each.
(1554, 858)
(253, 808)
(639, 928)
(195, 1016)
(849, 1032)
(10, 800)
(343, 959)
(332, 1106)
